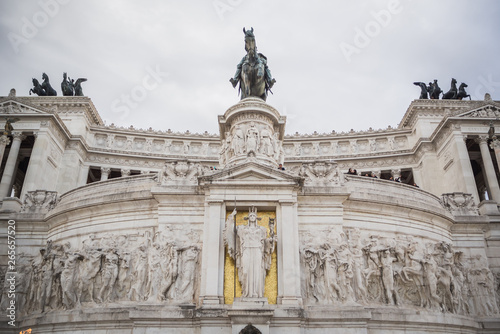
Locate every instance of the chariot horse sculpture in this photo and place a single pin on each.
(252, 73)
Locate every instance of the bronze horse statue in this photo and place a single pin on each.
(452, 93)
(423, 88)
(434, 90)
(252, 72)
(47, 87)
(461, 92)
(37, 88)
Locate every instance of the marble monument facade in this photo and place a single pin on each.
(124, 230)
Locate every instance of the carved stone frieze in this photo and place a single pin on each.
(349, 266)
(153, 267)
(182, 172)
(39, 201)
(320, 173)
(485, 112)
(460, 204)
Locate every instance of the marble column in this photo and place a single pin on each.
(489, 170)
(464, 160)
(4, 141)
(105, 173)
(212, 263)
(495, 146)
(125, 172)
(11, 164)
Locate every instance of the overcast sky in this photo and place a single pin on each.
(339, 65)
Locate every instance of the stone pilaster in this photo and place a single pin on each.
(212, 264)
(288, 250)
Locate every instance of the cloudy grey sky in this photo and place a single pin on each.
(339, 65)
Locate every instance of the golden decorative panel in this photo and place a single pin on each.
(232, 285)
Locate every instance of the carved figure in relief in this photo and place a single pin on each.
(329, 258)
(68, 280)
(169, 266)
(185, 286)
(266, 142)
(46, 272)
(155, 272)
(345, 272)
(280, 153)
(109, 275)
(252, 138)
(386, 261)
(314, 266)
(238, 141)
(430, 280)
(139, 274)
(251, 252)
(123, 281)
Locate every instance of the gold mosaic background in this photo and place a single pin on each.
(271, 284)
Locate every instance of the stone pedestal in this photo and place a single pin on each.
(252, 130)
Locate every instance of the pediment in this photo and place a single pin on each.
(252, 172)
(13, 107)
(485, 111)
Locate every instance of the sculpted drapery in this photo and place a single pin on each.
(252, 249)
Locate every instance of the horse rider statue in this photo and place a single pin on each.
(252, 72)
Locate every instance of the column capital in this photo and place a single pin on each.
(482, 139)
(495, 143)
(4, 140)
(125, 172)
(105, 170)
(18, 135)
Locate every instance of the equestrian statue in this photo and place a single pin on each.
(252, 73)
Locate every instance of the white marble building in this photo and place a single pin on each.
(122, 230)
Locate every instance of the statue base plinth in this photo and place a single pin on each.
(246, 302)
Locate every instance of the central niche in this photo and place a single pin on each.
(232, 284)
